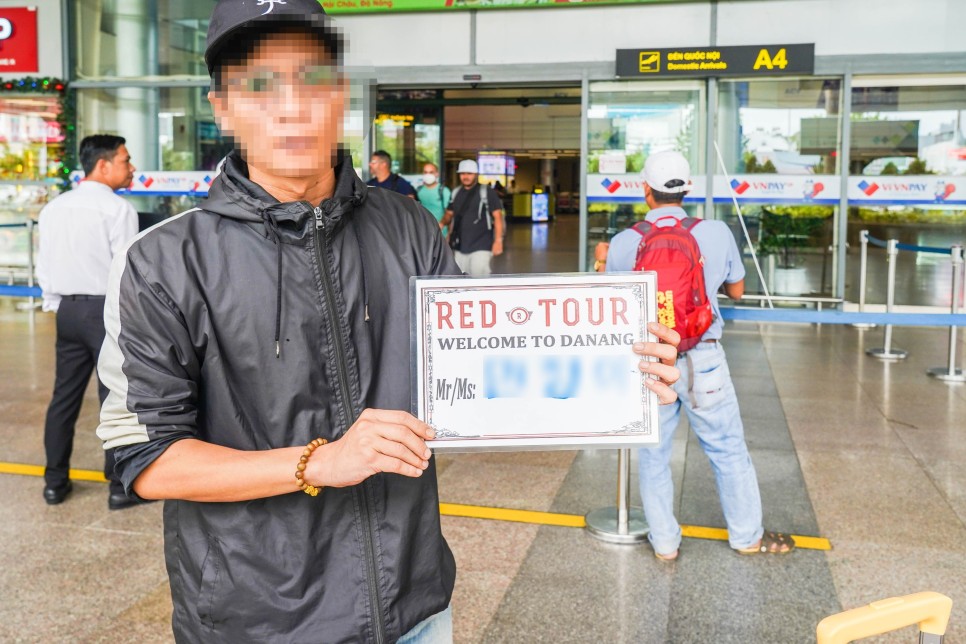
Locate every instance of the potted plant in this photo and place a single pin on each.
(784, 232)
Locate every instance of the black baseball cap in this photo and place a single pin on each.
(231, 16)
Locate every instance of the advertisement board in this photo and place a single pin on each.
(533, 362)
(18, 40)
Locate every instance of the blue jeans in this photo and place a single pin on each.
(435, 629)
(707, 395)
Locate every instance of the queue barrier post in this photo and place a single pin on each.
(30, 260)
(622, 524)
(863, 273)
(886, 352)
(950, 373)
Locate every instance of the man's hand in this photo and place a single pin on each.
(600, 256)
(600, 251)
(666, 352)
(379, 441)
(497, 247)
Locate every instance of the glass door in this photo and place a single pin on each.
(627, 121)
(779, 140)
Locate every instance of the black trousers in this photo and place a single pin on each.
(80, 333)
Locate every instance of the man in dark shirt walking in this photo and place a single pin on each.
(380, 165)
(476, 212)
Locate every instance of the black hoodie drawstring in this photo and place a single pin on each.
(365, 278)
(273, 227)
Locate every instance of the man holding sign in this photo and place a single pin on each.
(257, 356)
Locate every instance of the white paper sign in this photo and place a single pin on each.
(533, 362)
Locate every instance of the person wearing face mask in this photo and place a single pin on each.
(433, 195)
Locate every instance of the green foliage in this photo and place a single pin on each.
(917, 166)
(751, 163)
(753, 167)
(784, 230)
(890, 169)
(902, 215)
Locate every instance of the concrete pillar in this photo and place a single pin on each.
(136, 47)
(547, 173)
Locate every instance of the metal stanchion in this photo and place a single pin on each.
(30, 259)
(622, 524)
(950, 373)
(863, 271)
(886, 352)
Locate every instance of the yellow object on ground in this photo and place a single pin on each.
(929, 610)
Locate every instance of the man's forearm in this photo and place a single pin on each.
(193, 470)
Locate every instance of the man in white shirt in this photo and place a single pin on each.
(80, 233)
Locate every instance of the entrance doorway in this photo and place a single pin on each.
(526, 140)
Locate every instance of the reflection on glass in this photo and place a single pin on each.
(910, 144)
(31, 140)
(182, 136)
(137, 38)
(625, 123)
(412, 139)
(778, 126)
(908, 130)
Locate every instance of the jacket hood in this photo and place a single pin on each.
(235, 196)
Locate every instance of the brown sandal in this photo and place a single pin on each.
(772, 543)
(668, 558)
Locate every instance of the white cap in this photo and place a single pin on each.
(468, 166)
(667, 172)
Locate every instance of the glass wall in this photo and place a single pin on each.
(779, 128)
(626, 122)
(139, 38)
(158, 48)
(31, 146)
(908, 151)
(408, 125)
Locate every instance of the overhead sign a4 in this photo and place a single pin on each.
(691, 62)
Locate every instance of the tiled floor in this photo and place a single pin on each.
(867, 454)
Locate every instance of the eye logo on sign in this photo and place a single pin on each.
(519, 315)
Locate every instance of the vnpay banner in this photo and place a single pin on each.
(794, 189)
(163, 184)
(821, 189)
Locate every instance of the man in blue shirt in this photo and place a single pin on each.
(380, 166)
(705, 391)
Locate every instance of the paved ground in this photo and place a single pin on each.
(869, 455)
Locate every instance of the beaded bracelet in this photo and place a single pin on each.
(311, 490)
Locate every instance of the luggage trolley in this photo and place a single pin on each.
(929, 610)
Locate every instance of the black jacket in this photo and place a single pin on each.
(194, 309)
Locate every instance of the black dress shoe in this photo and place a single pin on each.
(56, 495)
(120, 500)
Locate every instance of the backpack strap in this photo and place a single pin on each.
(642, 228)
(690, 222)
(484, 206)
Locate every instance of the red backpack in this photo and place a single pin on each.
(673, 252)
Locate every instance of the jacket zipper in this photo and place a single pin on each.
(320, 243)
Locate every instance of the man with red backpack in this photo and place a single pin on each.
(693, 259)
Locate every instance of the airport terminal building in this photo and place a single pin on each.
(820, 118)
(823, 123)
